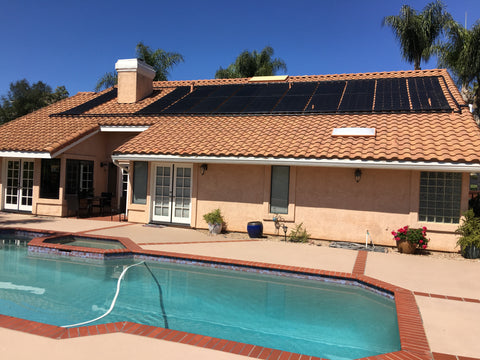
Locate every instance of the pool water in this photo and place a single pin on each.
(73, 240)
(302, 316)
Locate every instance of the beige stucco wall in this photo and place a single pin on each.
(97, 148)
(328, 201)
(133, 86)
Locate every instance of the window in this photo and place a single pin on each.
(50, 179)
(79, 177)
(279, 189)
(140, 172)
(440, 196)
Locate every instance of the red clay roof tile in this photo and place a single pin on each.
(443, 137)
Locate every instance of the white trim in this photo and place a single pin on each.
(54, 155)
(112, 128)
(345, 163)
(25, 154)
(135, 65)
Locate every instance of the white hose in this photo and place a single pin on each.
(113, 301)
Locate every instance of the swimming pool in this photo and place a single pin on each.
(84, 241)
(298, 315)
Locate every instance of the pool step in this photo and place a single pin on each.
(17, 242)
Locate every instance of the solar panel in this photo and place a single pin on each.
(427, 94)
(296, 98)
(234, 105)
(157, 106)
(358, 96)
(80, 109)
(292, 103)
(262, 104)
(391, 95)
(185, 104)
(216, 98)
(326, 97)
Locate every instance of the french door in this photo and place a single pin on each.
(172, 195)
(19, 185)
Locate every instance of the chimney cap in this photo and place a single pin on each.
(137, 65)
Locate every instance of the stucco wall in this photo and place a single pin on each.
(97, 148)
(328, 201)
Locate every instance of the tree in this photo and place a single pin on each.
(250, 64)
(417, 32)
(161, 60)
(461, 55)
(24, 98)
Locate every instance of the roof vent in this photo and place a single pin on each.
(354, 132)
(268, 78)
(135, 80)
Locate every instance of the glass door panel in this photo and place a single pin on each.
(162, 197)
(182, 191)
(19, 189)
(172, 194)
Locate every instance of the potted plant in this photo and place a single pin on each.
(410, 239)
(469, 231)
(215, 221)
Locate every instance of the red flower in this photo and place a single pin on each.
(424, 228)
(424, 246)
(394, 233)
(397, 238)
(420, 241)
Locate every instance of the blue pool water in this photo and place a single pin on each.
(303, 316)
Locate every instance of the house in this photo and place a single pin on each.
(342, 154)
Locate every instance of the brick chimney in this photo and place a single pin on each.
(135, 80)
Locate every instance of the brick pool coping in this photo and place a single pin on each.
(413, 340)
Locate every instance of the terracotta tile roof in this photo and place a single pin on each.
(435, 136)
(442, 137)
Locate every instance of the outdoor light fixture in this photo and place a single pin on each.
(358, 175)
(203, 168)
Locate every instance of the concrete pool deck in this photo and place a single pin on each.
(447, 291)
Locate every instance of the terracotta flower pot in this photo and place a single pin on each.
(406, 247)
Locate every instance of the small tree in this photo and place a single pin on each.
(24, 98)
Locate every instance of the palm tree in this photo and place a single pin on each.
(161, 60)
(417, 32)
(250, 64)
(461, 55)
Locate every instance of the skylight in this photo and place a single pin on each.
(354, 131)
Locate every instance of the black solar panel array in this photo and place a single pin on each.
(102, 99)
(392, 95)
(159, 105)
(358, 96)
(427, 94)
(367, 95)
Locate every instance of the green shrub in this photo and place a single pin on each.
(469, 230)
(214, 217)
(299, 234)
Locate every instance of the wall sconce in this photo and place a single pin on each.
(358, 175)
(203, 168)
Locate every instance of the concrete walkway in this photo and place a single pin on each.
(447, 291)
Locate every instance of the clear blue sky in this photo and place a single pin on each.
(73, 43)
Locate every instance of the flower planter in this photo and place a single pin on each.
(406, 247)
(255, 229)
(215, 228)
(471, 252)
